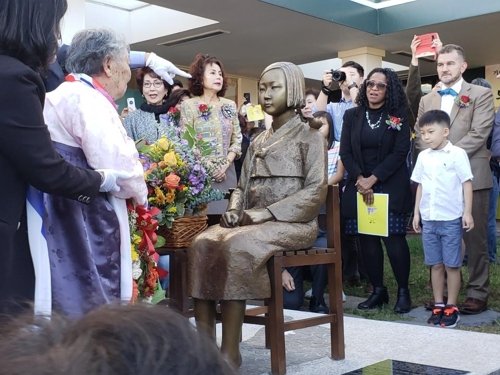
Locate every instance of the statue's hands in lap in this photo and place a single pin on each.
(229, 219)
(256, 216)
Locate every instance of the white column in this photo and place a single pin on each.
(368, 57)
(73, 21)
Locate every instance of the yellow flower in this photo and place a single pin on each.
(172, 210)
(163, 143)
(135, 255)
(160, 197)
(136, 239)
(170, 158)
(169, 198)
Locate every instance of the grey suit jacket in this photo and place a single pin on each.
(413, 94)
(470, 128)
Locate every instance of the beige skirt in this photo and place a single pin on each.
(230, 263)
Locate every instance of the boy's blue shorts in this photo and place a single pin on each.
(442, 242)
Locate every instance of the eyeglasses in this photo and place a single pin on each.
(155, 84)
(379, 85)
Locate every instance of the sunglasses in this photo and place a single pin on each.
(380, 85)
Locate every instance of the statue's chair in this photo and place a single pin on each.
(271, 315)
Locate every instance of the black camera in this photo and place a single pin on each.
(338, 75)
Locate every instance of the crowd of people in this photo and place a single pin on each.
(378, 155)
(70, 164)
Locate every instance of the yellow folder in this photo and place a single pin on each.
(374, 219)
(254, 112)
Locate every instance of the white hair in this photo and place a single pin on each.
(89, 48)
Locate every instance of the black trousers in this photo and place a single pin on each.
(294, 299)
(373, 258)
(353, 268)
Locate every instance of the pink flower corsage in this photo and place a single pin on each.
(462, 101)
(394, 123)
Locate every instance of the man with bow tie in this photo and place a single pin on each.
(471, 110)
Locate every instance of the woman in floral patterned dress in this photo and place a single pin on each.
(215, 118)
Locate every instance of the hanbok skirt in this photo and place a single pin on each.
(82, 245)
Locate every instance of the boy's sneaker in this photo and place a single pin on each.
(451, 316)
(436, 316)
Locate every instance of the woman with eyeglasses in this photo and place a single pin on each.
(150, 121)
(374, 144)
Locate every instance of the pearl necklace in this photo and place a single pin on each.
(377, 124)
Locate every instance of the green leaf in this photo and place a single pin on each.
(160, 242)
(141, 145)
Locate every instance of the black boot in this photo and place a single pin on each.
(378, 297)
(403, 304)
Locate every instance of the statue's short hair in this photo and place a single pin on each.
(89, 48)
(295, 84)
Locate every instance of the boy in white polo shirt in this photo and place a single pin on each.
(443, 202)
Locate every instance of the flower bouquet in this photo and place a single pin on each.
(176, 173)
(144, 240)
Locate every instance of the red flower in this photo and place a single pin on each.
(174, 113)
(462, 101)
(204, 110)
(135, 291)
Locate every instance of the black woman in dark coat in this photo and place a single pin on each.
(374, 145)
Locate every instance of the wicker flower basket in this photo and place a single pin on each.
(183, 231)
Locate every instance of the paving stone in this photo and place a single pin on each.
(370, 341)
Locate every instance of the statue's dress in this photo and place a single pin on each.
(285, 172)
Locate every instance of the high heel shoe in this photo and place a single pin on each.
(403, 303)
(378, 297)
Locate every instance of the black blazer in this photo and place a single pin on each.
(28, 157)
(391, 170)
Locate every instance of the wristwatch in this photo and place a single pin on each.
(352, 85)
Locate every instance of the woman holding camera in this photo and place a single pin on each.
(373, 149)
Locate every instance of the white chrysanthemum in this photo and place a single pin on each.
(136, 269)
